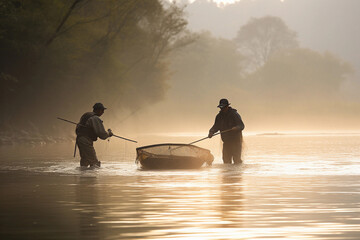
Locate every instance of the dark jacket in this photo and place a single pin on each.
(228, 120)
(82, 129)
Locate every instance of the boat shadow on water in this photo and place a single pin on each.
(223, 169)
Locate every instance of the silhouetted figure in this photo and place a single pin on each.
(88, 130)
(228, 118)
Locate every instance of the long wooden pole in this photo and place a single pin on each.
(213, 135)
(228, 130)
(127, 139)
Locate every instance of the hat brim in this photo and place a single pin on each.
(223, 105)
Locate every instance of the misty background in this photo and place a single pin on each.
(162, 67)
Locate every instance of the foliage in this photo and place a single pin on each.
(201, 73)
(262, 37)
(208, 63)
(300, 77)
(64, 55)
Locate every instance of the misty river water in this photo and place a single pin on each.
(296, 186)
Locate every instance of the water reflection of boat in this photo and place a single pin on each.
(173, 156)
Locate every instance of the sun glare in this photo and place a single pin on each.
(221, 1)
(225, 1)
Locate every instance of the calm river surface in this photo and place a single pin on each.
(289, 187)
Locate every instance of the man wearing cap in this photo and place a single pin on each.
(88, 130)
(230, 124)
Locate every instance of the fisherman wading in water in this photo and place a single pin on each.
(230, 124)
(88, 130)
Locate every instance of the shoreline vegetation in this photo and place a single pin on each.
(24, 137)
(63, 56)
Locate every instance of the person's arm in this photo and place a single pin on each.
(239, 123)
(214, 128)
(98, 127)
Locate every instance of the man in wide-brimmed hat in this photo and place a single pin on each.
(88, 130)
(230, 124)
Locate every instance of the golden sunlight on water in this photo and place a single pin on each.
(289, 187)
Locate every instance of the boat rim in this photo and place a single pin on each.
(171, 144)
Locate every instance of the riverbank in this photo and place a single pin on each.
(32, 138)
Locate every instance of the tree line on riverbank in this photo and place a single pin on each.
(62, 56)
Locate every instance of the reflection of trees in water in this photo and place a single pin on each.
(231, 196)
(88, 208)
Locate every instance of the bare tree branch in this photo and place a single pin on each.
(67, 15)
